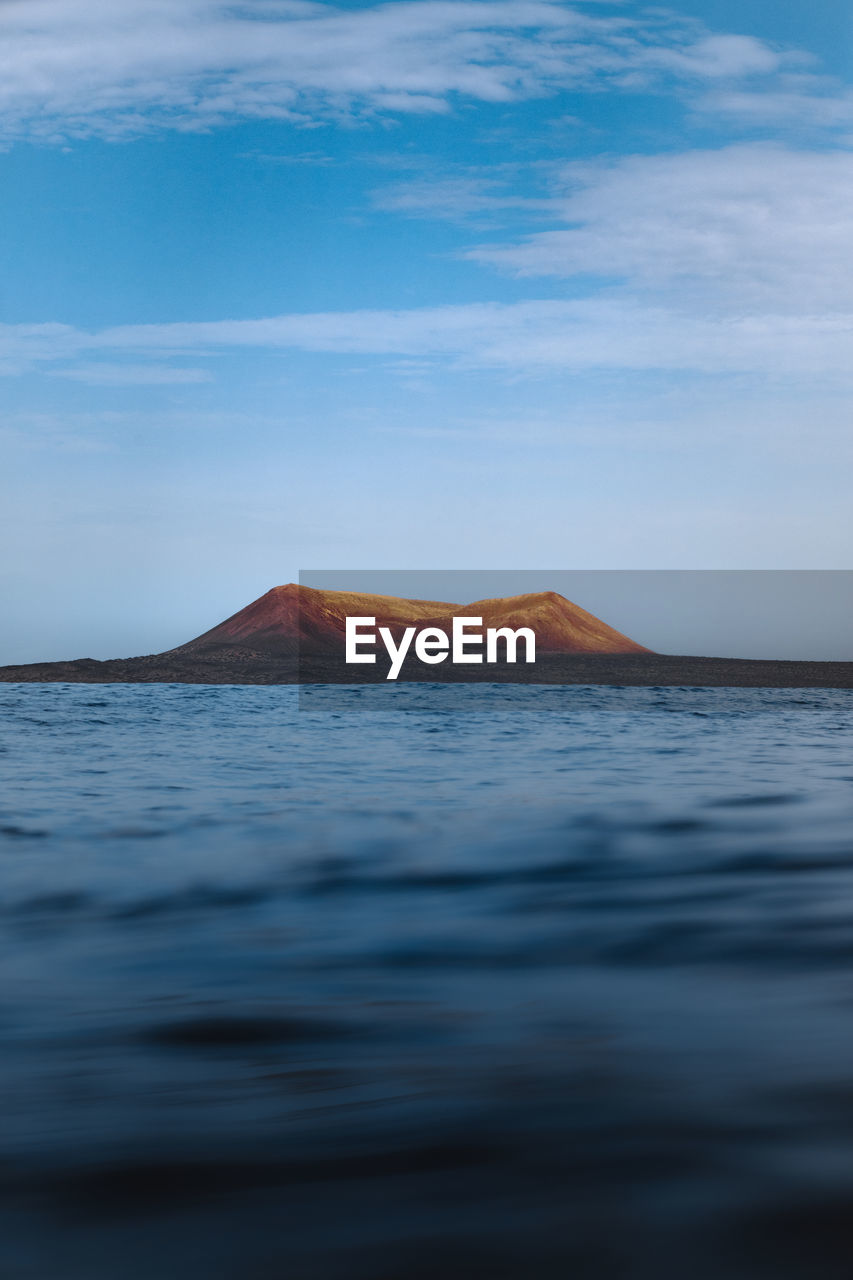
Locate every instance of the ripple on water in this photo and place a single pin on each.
(513, 982)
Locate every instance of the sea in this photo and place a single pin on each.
(397, 982)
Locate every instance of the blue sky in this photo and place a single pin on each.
(436, 283)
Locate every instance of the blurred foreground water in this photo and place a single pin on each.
(462, 981)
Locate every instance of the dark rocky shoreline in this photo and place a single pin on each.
(247, 667)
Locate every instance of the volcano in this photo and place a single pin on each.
(295, 620)
(296, 635)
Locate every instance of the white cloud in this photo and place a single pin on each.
(545, 335)
(719, 57)
(754, 229)
(457, 197)
(816, 106)
(132, 375)
(118, 67)
(735, 260)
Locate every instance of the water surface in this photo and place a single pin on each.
(497, 980)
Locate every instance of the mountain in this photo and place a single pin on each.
(295, 635)
(293, 619)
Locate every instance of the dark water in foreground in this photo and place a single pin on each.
(469, 989)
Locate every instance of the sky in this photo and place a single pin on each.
(426, 284)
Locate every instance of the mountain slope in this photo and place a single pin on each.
(294, 619)
(560, 626)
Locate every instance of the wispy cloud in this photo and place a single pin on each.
(460, 197)
(542, 335)
(756, 228)
(132, 375)
(803, 104)
(71, 68)
(726, 261)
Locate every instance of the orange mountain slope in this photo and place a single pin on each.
(292, 619)
(559, 625)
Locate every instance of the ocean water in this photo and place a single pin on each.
(469, 981)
